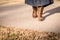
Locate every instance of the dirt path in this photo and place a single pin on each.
(21, 16)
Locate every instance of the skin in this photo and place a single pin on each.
(37, 12)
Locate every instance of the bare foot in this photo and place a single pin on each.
(34, 15)
(40, 18)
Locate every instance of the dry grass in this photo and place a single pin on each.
(11, 33)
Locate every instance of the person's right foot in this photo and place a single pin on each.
(34, 14)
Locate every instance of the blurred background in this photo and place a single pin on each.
(9, 2)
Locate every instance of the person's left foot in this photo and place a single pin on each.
(40, 11)
(40, 18)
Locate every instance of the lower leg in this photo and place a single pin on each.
(40, 11)
(34, 11)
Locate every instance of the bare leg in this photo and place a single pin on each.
(34, 11)
(40, 11)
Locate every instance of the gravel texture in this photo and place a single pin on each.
(11, 33)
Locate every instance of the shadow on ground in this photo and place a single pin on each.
(51, 12)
